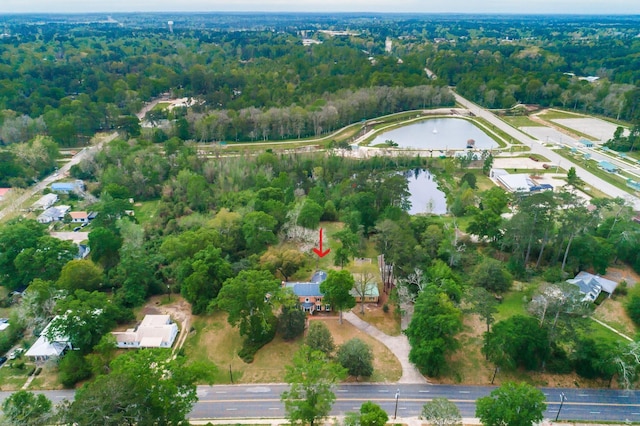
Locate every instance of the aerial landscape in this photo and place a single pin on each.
(349, 213)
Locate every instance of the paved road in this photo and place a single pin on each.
(59, 174)
(242, 401)
(538, 148)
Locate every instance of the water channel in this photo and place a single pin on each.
(439, 134)
(425, 196)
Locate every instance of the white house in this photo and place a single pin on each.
(592, 285)
(79, 217)
(44, 349)
(45, 202)
(155, 331)
(53, 214)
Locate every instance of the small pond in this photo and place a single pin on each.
(425, 195)
(437, 133)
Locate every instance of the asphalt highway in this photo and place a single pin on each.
(255, 401)
(537, 148)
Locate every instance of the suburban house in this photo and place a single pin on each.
(44, 349)
(309, 295)
(592, 285)
(53, 214)
(155, 331)
(4, 192)
(45, 202)
(371, 293)
(79, 217)
(67, 187)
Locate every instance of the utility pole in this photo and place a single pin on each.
(395, 412)
(562, 400)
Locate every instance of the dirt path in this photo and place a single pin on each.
(398, 345)
(179, 310)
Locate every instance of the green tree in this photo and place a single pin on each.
(311, 379)
(144, 387)
(105, 244)
(86, 318)
(482, 303)
(24, 408)
(310, 214)
(207, 271)
(247, 299)
(319, 338)
(336, 290)
(441, 412)
(16, 236)
(511, 404)
(357, 357)
(282, 260)
(73, 368)
(291, 322)
(80, 275)
(371, 414)
(572, 177)
(45, 260)
(518, 341)
(258, 231)
(432, 329)
(491, 275)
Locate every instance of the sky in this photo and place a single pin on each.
(605, 7)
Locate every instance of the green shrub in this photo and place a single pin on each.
(385, 308)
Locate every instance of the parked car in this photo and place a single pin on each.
(76, 229)
(3, 359)
(16, 353)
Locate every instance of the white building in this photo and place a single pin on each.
(53, 214)
(45, 202)
(44, 349)
(155, 331)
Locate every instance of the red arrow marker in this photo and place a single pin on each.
(319, 251)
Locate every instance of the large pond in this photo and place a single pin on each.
(437, 133)
(425, 195)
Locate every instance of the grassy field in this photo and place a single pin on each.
(146, 210)
(521, 121)
(214, 342)
(555, 114)
(12, 378)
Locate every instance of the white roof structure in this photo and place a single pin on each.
(43, 349)
(45, 201)
(155, 331)
(520, 182)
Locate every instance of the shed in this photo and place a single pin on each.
(586, 142)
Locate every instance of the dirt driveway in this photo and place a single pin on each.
(179, 310)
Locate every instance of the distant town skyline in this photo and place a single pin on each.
(603, 7)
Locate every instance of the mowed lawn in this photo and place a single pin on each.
(214, 342)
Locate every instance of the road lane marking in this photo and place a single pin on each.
(274, 408)
(220, 392)
(424, 391)
(583, 394)
(464, 391)
(391, 399)
(342, 390)
(595, 412)
(232, 409)
(383, 390)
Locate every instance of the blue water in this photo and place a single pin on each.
(425, 195)
(437, 133)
